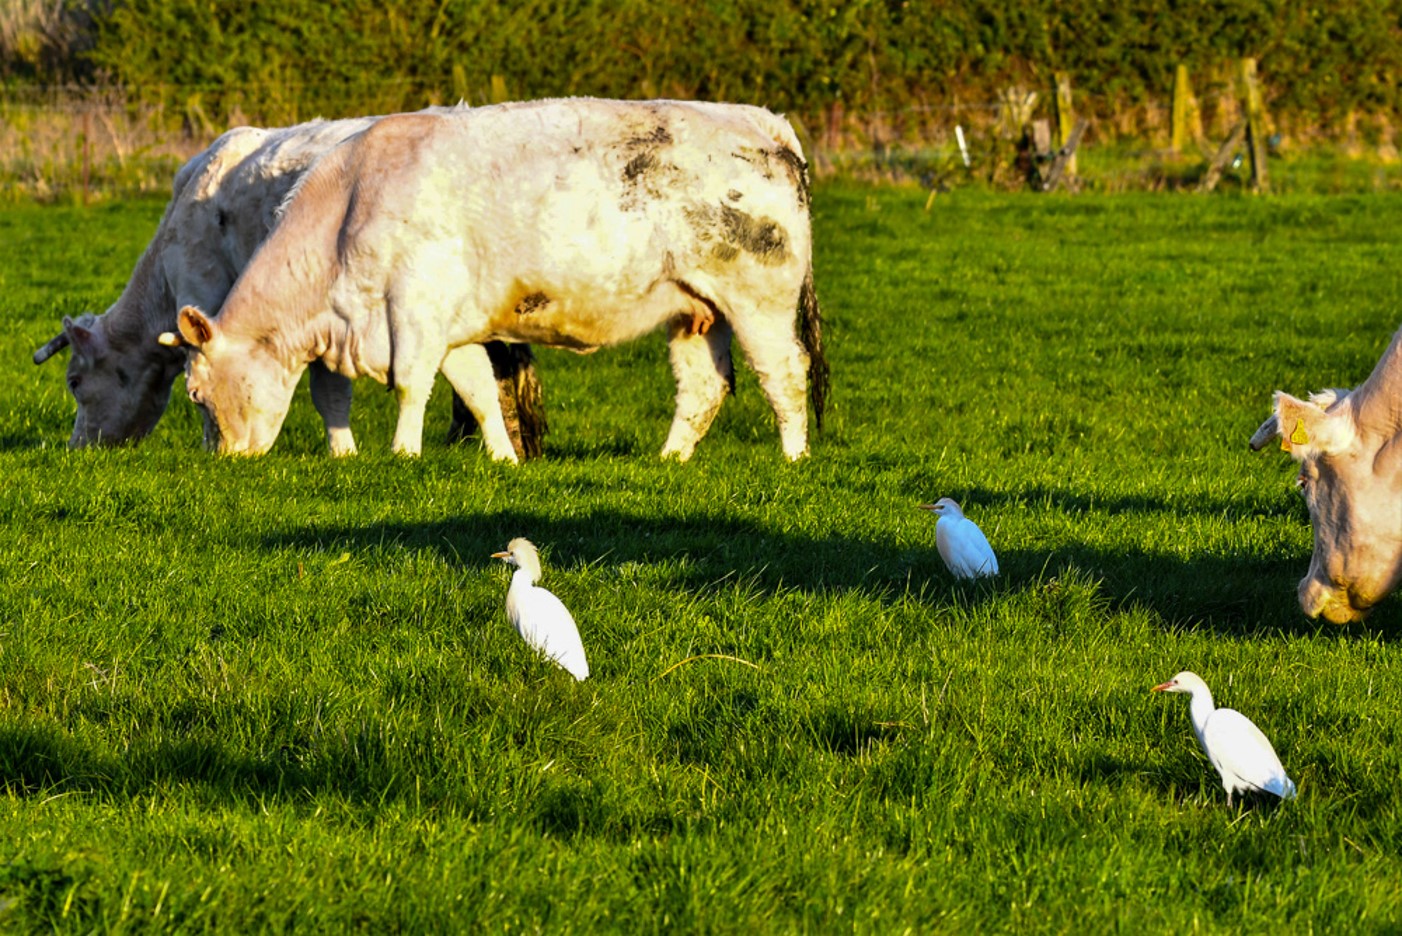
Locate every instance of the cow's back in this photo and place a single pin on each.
(557, 211)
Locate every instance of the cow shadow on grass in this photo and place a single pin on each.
(701, 552)
(1235, 595)
(363, 768)
(1230, 595)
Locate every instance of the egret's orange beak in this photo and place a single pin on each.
(501, 555)
(1162, 687)
(927, 506)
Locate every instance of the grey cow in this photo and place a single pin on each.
(225, 201)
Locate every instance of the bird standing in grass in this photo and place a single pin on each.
(1237, 748)
(962, 545)
(539, 617)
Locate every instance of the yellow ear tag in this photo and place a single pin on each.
(1299, 436)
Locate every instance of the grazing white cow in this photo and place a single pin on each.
(572, 223)
(1349, 448)
(225, 201)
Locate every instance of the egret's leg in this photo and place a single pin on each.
(331, 394)
(469, 370)
(704, 373)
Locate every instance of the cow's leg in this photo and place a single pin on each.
(418, 312)
(463, 425)
(780, 363)
(412, 372)
(469, 370)
(412, 392)
(701, 364)
(331, 394)
(522, 408)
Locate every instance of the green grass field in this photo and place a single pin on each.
(248, 695)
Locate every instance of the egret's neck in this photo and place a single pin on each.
(1201, 709)
(524, 577)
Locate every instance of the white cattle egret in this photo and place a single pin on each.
(539, 617)
(962, 545)
(1237, 748)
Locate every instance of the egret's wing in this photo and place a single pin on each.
(546, 624)
(1239, 750)
(978, 546)
(964, 548)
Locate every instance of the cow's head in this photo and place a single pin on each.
(1350, 457)
(242, 386)
(120, 384)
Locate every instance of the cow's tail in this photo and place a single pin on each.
(530, 400)
(522, 401)
(810, 332)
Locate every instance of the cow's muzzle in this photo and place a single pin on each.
(1334, 604)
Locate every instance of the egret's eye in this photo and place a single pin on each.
(74, 383)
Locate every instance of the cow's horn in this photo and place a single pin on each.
(53, 346)
(1269, 430)
(173, 340)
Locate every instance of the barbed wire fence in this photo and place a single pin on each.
(83, 142)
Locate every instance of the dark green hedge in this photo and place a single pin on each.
(294, 58)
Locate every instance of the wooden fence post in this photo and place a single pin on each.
(498, 89)
(1065, 120)
(1224, 155)
(1056, 174)
(460, 92)
(86, 134)
(1255, 124)
(1187, 119)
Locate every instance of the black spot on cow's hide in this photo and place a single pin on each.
(790, 162)
(798, 172)
(646, 172)
(658, 136)
(730, 231)
(532, 302)
(762, 237)
(637, 166)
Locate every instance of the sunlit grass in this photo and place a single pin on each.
(274, 693)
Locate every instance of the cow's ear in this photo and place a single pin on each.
(90, 344)
(195, 327)
(1388, 463)
(1306, 429)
